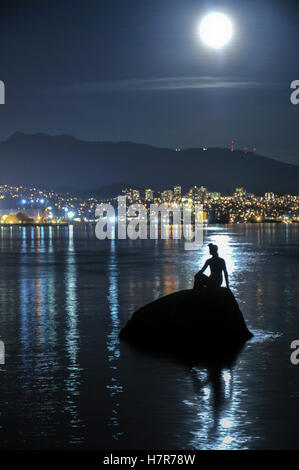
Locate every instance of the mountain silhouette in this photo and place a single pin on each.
(67, 162)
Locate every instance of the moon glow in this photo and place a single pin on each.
(216, 30)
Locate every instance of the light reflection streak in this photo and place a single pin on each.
(114, 387)
(25, 309)
(24, 240)
(2, 237)
(10, 238)
(51, 302)
(38, 332)
(50, 249)
(42, 240)
(220, 416)
(72, 380)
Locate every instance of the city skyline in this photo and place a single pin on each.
(36, 206)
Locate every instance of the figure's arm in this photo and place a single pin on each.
(204, 267)
(225, 274)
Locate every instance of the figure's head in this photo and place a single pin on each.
(213, 249)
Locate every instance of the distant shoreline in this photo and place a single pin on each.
(82, 224)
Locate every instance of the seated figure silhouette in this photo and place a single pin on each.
(217, 267)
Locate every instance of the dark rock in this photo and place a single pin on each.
(208, 324)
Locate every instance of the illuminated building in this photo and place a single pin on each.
(240, 193)
(177, 192)
(149, 194)
(198, 195)
(269, 196)
(214, 196)
(136, 195)
(167, 195)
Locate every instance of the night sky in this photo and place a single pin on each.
(136, 70)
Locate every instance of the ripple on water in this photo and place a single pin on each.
(261, 336)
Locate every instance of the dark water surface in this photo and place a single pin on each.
(69, 383)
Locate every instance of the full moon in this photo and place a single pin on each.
(216, 30)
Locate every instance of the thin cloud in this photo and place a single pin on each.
(163, 84)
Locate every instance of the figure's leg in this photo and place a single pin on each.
(200, 280)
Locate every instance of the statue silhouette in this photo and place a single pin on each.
(204, 324)
(217, 267)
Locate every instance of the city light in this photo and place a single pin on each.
(239, 207)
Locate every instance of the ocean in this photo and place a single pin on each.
(68, 383)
